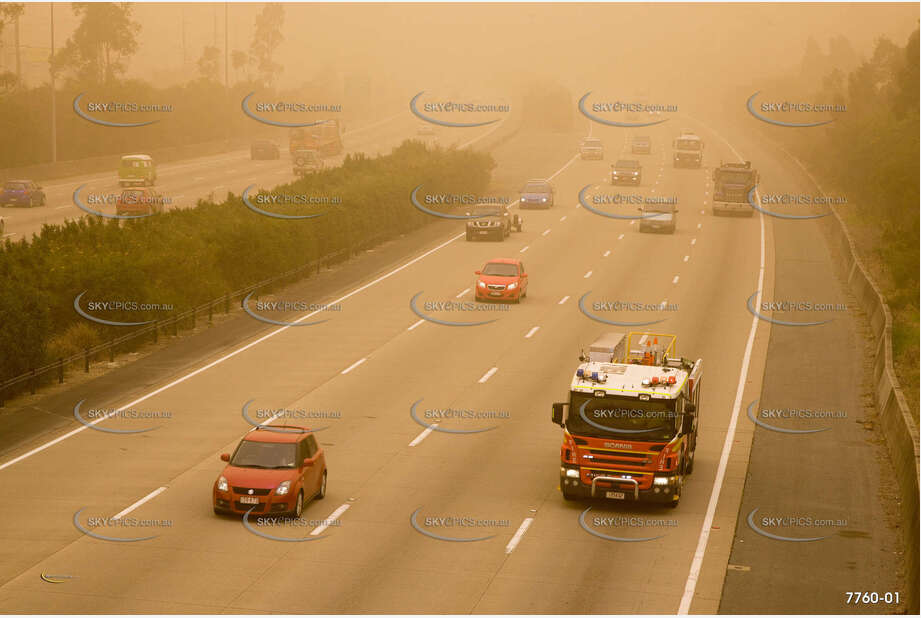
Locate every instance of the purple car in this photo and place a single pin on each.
(21, 193)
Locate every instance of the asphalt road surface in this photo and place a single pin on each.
(364, 368)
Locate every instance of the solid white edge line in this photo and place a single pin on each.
(531, 332)
(690, 585)
(226, 357)
(332, 517)
(353, 365)
(520, 533)
(422, 436)
(488, 375)
(240, 350)
(148, 497)
(415, 325)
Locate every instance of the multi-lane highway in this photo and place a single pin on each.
(183, 183)
(365, 366)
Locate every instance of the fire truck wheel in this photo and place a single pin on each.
(568, 494)
(674, 503)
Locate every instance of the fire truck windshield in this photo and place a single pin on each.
(624, 417)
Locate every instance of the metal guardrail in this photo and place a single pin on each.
(31, 377)
(896, 421)
(14, 385)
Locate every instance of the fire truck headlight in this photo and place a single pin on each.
(543, 199)
(660, 480)
(572, 473)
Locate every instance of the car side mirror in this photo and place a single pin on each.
(225, 456)
(557, 414)
(524, 275)
(675, 211)
(308, 462)
(478, 272)
(687, 423)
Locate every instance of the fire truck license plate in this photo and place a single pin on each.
(617, 495)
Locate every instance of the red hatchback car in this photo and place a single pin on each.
(275, 469)
(502, 279)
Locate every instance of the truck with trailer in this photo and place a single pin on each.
(630, 422)
(732, 182)
(325, 138)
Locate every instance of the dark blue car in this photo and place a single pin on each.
(22, 193)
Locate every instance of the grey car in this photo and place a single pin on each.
(658, 218)
(492, 222)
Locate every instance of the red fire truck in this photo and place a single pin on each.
(630, 425)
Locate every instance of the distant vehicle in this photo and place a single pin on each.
(658, 217)
(502, 279)
(591, 148)
(732, 183)
(307, 162)
(688, 150)
(2, 225)
(140, 201)
(22, 193)
(137, 169)
(425, 129)
(626, 171)
(493, 222)
(264, 149)
(325, 138)
(642, 144)
(537, 193)
(275, 469)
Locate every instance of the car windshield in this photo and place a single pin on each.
(536, 187)
(15, 186)
(591, 142)
(621, 417)
(735, 178)
(641, 139)
(252, 454)
(488, 211)
(688, 144)
(497, 269)
(626, 163)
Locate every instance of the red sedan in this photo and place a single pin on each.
(275, 469)
(502, 279)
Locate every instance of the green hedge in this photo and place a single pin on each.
(190, 256)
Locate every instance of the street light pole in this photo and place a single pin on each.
(54, 124)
